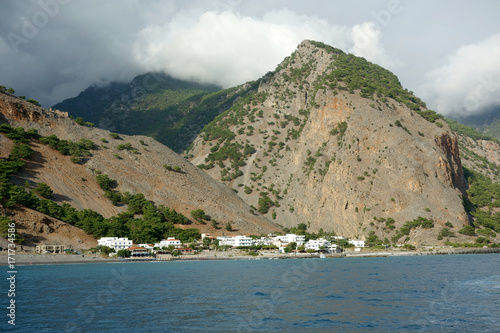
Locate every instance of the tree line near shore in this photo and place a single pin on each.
(155, 224)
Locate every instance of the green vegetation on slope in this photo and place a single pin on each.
(171, 111)
(468, 131)
(406, 228)
(483, 198)
(155, 223)
(356, 73)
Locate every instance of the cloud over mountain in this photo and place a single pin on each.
(228, 48)
(469, 83)
(81, 45)
(60, 47)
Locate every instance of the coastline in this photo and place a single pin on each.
(434, 252)
(51, 259)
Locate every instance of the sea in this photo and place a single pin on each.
(452, 293)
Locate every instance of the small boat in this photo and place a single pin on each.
(321, 255)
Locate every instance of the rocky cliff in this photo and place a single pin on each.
(331, 140)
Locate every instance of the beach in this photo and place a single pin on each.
(31, 258)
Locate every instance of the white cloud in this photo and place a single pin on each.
(90, 42)
(229, 49)
(469, 83)
(367, 44)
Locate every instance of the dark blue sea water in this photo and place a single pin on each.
(459, 293)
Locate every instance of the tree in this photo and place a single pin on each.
(105, 249)
(11, 91)
(44, 190)
(467, 230)
(291, 246)
(229, 227)
(215, 225)
(445, 232)
(302, 226)
(124, 253)
(199, 215)
(34, 102)
(5, 224)
(105, 182)
(265, 203)
(80, 121)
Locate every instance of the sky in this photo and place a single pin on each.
(447, 52)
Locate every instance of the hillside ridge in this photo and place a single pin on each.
(336, 142)
(136, 163)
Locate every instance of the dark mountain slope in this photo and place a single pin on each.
(170, 110)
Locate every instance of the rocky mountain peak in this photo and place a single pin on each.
(334, 141)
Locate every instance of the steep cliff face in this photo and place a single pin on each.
(138, 169)
(333, 141)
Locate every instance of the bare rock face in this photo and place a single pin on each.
(335, 158)
(452, 164)
(137, 170)
(39, 229)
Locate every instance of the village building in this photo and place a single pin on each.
(168, 242)
(115, 243)
(149, 247)
(42, 249)
(291, 238)
(320, 245)
(235, 241)
(138, 251)
(263, 241)
(357, 243)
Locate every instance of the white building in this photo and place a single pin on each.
(320, 244)
(148, 247)
(316, 244)
(290, 238)
(235, 241)
(263, 241)
(169, 241)
(357, 243)
(115, 243)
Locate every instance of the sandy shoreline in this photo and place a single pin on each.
(40, 259)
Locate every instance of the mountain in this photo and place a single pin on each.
(333, 141)
(487, 123)
(105, 183)
(154, 104)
